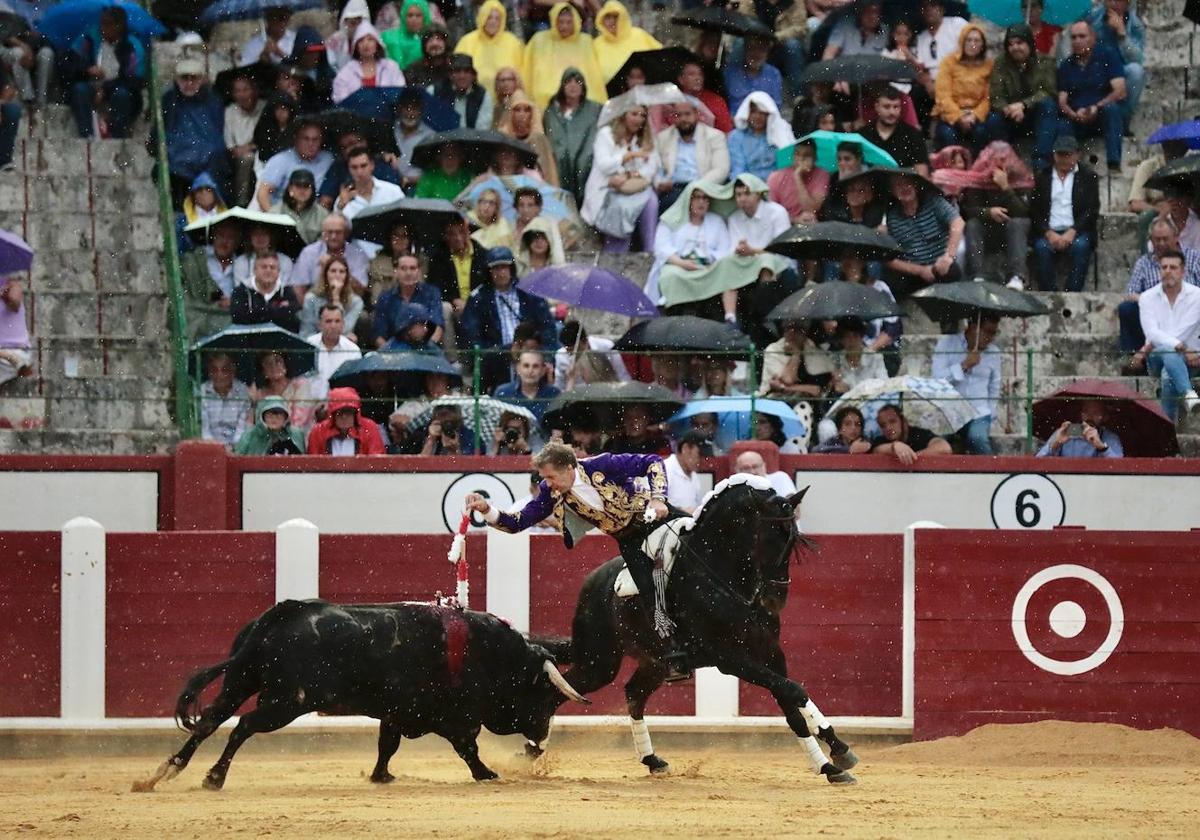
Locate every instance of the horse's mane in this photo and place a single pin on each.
(735, 486)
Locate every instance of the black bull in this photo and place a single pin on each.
(417, 668)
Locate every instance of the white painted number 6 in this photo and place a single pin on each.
(1028, 501)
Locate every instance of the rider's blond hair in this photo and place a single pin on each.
(557, 455)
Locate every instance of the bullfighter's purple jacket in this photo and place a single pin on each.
(626, 485)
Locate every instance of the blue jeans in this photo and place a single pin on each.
(10, 120)
(1041, 125)
(1176, 381)
(123, 106)
(945, 134)
(1109, 124)
(1080, 253)
(975, 434)
(1132, 337)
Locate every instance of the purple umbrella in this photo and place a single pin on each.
(590, 287)
(15, 253)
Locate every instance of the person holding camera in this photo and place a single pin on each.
(511, 436)
(1086, 439)
(446, 434)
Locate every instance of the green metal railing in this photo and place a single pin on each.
(185, 414)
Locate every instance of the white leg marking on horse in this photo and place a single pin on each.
(641, 738)
(815, 756)
(813, 717)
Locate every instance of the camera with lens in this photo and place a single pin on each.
(512, 435)
(450, 428)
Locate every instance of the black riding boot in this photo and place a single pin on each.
(673, 656)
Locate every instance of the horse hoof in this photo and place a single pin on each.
(486, 776)
(841, 777)
(533, 752)
(382, 778)
(656, 765)
(846, 761)
(212, 783)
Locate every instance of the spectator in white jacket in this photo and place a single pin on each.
(690, 151)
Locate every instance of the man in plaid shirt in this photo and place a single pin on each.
(1146, 275)
(224, 401)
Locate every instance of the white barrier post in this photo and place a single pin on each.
(716, 694)
(908, 646)
(297, 560)
(83, 586)
(508, 577)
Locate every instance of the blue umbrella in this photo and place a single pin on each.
(827, 143)
(250, 9)
(1188, 131)
(380, 104)
(15, 253)
(66, 21)
(1062, 12)
(734, 416)
(999, 12)
(590, 287)
(553, 204)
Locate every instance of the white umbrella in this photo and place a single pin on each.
(929, 403)
(647, 96)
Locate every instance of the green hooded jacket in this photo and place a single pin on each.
(259, 440)
(1009, 84)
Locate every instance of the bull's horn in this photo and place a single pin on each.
(560, 682)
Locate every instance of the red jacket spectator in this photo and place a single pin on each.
(344, 431)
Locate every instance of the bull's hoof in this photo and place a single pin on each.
(845, 761)
(485, 775)
(212, 782)
(837, 777)
(533, 751)
(656, 765)
(382, 778)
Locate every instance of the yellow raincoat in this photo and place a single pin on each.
(613, 50)
(489, 52)
(547, 55)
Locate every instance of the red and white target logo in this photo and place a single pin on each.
(1067, 619)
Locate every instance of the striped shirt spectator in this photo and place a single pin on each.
(1147, 274)
(923, 236)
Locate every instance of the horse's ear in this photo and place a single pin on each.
(796, 498)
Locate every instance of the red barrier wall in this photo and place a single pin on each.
(175, 603)
(31, 604)
(970, 670)
(842, 628)
(556, 575)
(364, 569)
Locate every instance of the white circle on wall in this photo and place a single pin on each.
(1070, 617)
(485, 484)
(1028, 502)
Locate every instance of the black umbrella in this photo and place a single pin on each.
(662, 65)
(599, 402)
(720, 19)
(12, 25)
(478, 148)
(858, 70)
(1184, 171)
(1191, 11)
(405, 371)
(833, 300)
(245, 342)
(262, 75)
(339, 121)
(828, 240)
(425, 218)
(683, 332)
(967, 298)
(284, 234)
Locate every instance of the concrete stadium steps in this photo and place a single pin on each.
(1083, 312)
(88, 441)
(1053, 354)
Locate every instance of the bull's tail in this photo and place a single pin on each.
(187, 707)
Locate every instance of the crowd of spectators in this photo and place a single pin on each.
(986, 139)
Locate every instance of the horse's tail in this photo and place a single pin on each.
(557, 646)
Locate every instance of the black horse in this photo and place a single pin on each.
(727, 588)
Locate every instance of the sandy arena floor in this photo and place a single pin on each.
(1041, 780)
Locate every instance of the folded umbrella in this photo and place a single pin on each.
(405, 371)
(733, 416)
(683, 332)
(835, 299)
(15, 253)
(1141, 424)
(720, 19)
(590, 287)
(380, 104)
(858, 70)
(966, 298)
(599, 402)
(245, 342)
(250, 9)
(478, 147)
(63, 23)
(827, 143)
(929, 403)
(426, 219)
(1187, 132)
(661, 65)
(283, 228)
(828, 241)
